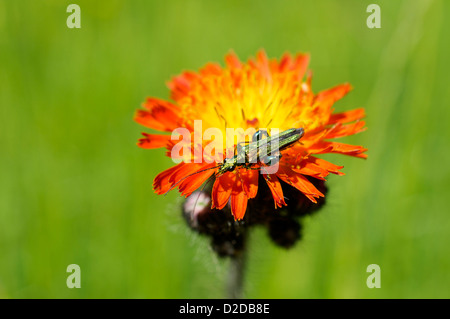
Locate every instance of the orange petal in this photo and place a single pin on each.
(153, 102)
(221, 190)
(185, 170)
(285, 63)
(249, 180)
(193, 182)
(275, 188)
(341, 148)
(333, 94)
(330, 167)
(153, 140)
(308, 168)
(161, 182)
(262, 65)
(300, 182)
(320, 147)
(301, 64)
(340, 130)
(158, 116)
(239, 200)
(180, 85)
(346, 117)
(211, 69)
(233, 61)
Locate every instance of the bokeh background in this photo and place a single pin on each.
(75, 188)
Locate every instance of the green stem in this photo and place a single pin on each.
(236, 275)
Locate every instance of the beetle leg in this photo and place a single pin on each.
(259, 135)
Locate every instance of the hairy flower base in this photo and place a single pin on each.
(228, 235)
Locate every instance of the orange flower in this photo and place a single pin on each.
(261, 93)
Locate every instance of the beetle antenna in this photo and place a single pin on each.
(200, 192)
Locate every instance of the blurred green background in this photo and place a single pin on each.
(75, 188)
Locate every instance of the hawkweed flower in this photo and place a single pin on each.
(261, 93)
(278, 188)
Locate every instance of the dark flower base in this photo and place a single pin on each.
(283, 224)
